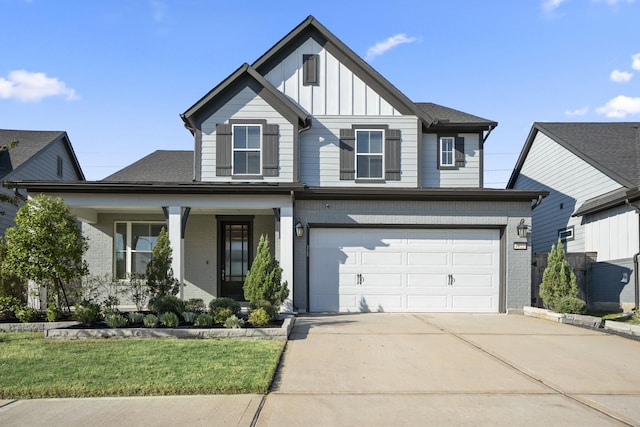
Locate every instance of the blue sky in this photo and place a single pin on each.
(116, 74)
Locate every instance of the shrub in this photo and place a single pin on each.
(189, 316)
(259, 317)
(558, 280)
(203, 320)
(138, 291)
(264, 279)
(110, 305)
(570, 305)
(221, 314)
(9, 306)
(115, 320)
(87, 313)
(27, 314)
(271, 309)
(150, 321)
(54, 313)
(166, 304)
(224, 302)
(233, 322)
(195, 305)
(170, 320)
(135, 317)
(160, 280)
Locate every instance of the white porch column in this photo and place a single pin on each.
(286, 252)
(177, 244)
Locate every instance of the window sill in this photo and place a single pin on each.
(247, 177)
(370, 181)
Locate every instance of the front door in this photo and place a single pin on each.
(235, 252)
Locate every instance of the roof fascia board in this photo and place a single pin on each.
(523, 156)
(345, 55)
(630, 195)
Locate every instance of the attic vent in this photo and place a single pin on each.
(310, 65)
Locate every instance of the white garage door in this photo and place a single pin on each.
(395, 270)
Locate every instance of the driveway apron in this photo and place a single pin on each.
(452, 369)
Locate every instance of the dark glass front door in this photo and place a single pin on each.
(235, 251)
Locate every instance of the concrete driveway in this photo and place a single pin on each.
(401, 369)
(453, 369)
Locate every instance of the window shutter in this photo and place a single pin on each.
(223, 150)
(270, 137)
(347, 154)
(459, 151)
(392, 155)
(310, 70)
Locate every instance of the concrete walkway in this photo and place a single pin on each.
(402, 369)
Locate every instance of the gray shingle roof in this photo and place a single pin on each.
(610, 147)
(159, 166)
(442, 115)
(31, 142)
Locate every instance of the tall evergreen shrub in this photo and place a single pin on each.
(559, 288)
(264, 279)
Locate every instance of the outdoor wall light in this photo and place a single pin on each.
(522, 229)
(299, 229)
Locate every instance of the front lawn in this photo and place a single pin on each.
(32, 367)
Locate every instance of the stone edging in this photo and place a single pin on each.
(34, 326)
(281, 333)
(581, 320)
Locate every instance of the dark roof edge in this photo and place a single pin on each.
(592, 206)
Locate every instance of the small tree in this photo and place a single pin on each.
(264, 279)
(160, 278)
(46, 244)
(559, 288)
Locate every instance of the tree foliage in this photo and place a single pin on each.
(559, 288)
(46, 245)
(264, 279)
(5, 198)
(160, 278)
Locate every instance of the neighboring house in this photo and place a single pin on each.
(39, 155)
(371, 202)
(592, 173)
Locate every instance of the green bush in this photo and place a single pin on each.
(195, 305)
(87, 313)
(54, 313)
(27, 314)
(224, 302)
(221, 314)
(135, 317)
(189, 316)
(115, 320)
(271, 309)
(203, 320)
(150, 321)
(170, 320)
(159, 274)
(559, 282)
(166, 304)
(9, 306)
(264, 278)
(570, 305)
(233, 322)
(259, 317)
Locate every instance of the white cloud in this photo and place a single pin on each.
(158, 9)
(620, 76)
(551, 5)
(620, 106)
(615, 2)
(635, 61)
(577, 112)
(393, 41)
(24, 85)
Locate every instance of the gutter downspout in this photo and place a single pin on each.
(636, 263)
(484, 139)
(537, 203)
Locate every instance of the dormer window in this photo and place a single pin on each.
(447, 145)
(310, 66)
(247, 144)
(369, 153)
(450, 152)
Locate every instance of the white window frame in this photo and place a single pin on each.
(442, 151)
(127, 246)
(381, 154)
(234, 149)
(566, 234)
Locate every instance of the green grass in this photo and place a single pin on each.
(32, 367)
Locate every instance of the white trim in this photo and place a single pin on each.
(441, 151)
(127, 245)
(369, 154)
(233, 148)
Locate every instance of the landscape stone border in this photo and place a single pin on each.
(34, 326)
(620, 328)
(281, 333)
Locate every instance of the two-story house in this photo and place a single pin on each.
(371, 202)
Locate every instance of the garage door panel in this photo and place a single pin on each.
(404, 270)
(420, 281)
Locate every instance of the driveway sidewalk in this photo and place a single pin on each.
(384, 369)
